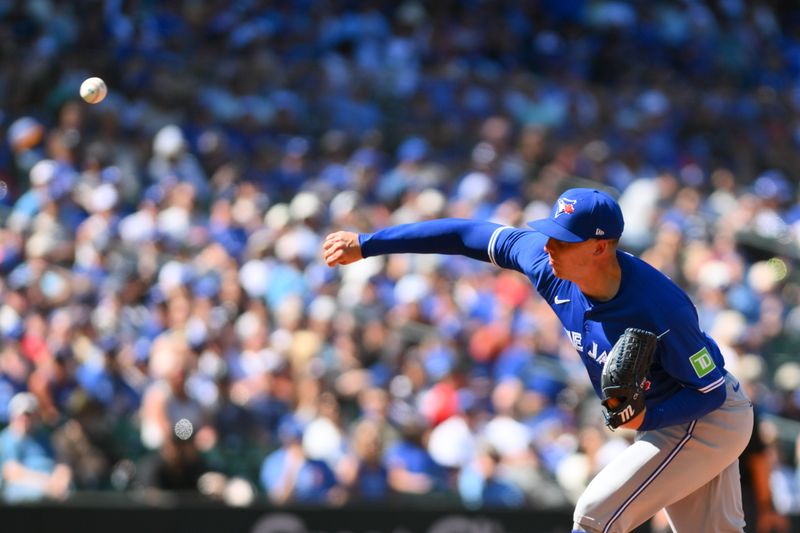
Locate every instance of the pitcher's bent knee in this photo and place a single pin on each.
(586, 514)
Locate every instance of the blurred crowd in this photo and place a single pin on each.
(166, 320)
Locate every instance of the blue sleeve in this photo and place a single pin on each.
(682, 407)
(685, 352)
(445, 236)
(693, 359)
(504, 246)
(521, 250)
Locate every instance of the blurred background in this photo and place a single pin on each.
(170, 338)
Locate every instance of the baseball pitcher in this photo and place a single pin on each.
(638, 335)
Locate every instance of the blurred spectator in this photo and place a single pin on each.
(756, 465)
(85, 443)
(785, 480)
(167, 400)
(362, 471)
(29, 467)
(177, 465)
(236, 425)
(25, 135)
(481, 486)
(33, 201)
(14, 371)
(288, 475)
(172, 163)
(53, 380)
(411, 469)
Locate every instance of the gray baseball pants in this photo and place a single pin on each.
(690, 470)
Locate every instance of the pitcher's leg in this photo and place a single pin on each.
(716, 506)
(634, 486)
(661, 468)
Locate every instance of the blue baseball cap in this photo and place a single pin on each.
(582, 214)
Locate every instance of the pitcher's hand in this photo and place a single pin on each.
(633, 423)
(341, 248)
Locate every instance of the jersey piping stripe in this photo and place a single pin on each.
(716, 384)
(492, 242)
(652, 476)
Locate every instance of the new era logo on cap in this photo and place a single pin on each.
(592, 214)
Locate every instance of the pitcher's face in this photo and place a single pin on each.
(571, 260)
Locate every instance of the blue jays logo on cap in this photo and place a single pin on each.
(565, 205)
(592, 214)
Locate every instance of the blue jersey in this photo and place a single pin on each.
(647, 299)
(687, 374)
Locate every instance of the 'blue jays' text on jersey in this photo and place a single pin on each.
(647, 299)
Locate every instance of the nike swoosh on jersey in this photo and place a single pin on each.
(736, 387)
(560, 301)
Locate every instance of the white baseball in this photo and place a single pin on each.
(93, 90)
(183, 429)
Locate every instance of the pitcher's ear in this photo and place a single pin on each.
(600, 246)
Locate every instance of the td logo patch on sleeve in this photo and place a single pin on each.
(702, 362)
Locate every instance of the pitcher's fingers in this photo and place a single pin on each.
(333, 258)
(329, 241)
(334, 245)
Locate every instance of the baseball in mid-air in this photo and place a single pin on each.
(93, 90)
